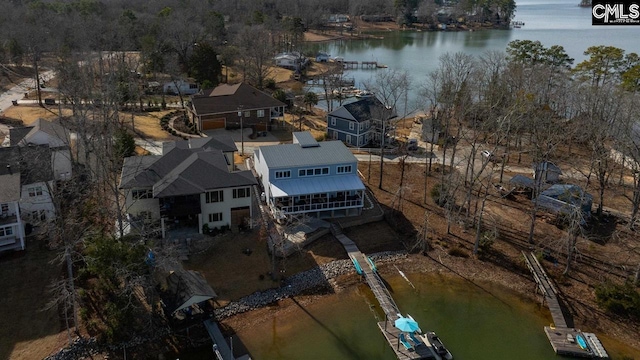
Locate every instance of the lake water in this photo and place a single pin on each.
(475, 322)
(559, 22)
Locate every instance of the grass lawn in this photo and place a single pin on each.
(146, 124)
(28, 331)
(30, 113)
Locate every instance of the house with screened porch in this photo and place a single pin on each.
(318, 179)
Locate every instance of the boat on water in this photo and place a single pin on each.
(437, 345)
(582, 342)
(361, 94)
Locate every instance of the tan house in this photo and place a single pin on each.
(232, 106)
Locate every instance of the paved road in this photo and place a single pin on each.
(17, 92)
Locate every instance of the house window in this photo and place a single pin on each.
(333, 121)
(142, 194)
(39, 215)
(247, 114)
(283, 174)
(351, 125)
(4, 209)
(215, 217)
(313, 172)
(241, 193)
(335, 135)
(349, 139)
(345, 169)
(260, 113)
(35, 191)
(6, 231)
(193, 86)
(214, 196)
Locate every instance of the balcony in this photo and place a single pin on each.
(318, 204)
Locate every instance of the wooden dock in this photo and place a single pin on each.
(349, 64)
(391, 333)
(561, 336)
(369, 64)
(387, 304)
(547, 289)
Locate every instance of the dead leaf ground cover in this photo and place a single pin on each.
(29, 331)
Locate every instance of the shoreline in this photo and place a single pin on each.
(436, 263)
(364, 31)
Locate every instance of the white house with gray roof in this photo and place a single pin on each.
(193, 182)
(309, 177)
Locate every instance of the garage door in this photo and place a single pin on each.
(213, 124)
(239, 214)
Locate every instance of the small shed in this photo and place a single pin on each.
(185, 289)
(183, 87)
(564, 198)
(322, 57)
(547, 171)
(522, 183)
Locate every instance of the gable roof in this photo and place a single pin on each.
(227, 98)
(362, 110)
(562, 198)
(10, 180)
(294, 155)
(32, 162)
(187, 287)
(17, 134)
(547, 166)
(222, 142)
(23, 135)
(182, 172)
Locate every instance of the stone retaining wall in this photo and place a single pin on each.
(312, 279)
(315, 278)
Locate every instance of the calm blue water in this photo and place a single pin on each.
(559, 22)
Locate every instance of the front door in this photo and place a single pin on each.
(239, 214)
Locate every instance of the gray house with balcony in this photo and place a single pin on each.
(193, 183)
(319, 179)
(360, 122)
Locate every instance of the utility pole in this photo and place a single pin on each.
(35, 65)
(241, 130)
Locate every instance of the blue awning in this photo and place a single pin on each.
(315, 185)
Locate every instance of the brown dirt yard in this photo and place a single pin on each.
(452, 255)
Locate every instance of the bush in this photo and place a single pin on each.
(623, 300)
(458, 252)
(487, 239)
(440, 194)
(270, 83)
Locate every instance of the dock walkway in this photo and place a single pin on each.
(561, 336)
(387, 304)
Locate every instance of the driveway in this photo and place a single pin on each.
(250, 145)
(17, 92)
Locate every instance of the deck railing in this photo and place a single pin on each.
(334, 205)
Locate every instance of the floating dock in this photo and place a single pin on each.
(387, 304)
(562, 337)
